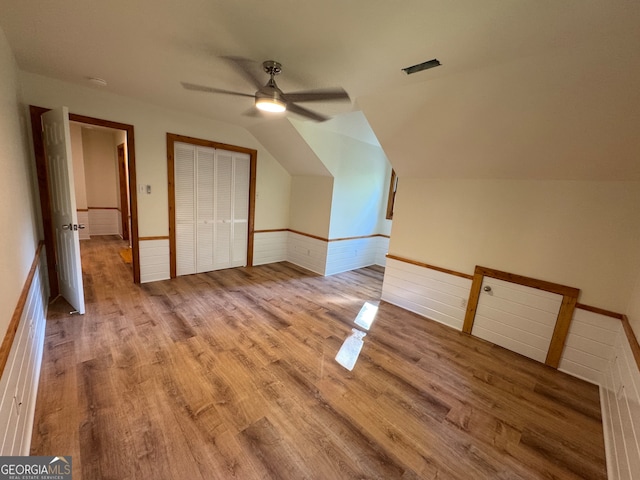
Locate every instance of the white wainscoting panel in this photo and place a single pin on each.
(345, 255)
(589, 346)
(19, 382)
(154, 260)
(103, 221)
(437, 295)
(307, 252)
(382, 246)
(620, 401)
(83, 219)
(270, 247)
(338, 256)
(517, 317)
(119, 220)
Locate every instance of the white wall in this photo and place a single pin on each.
(581, 234)
(310, 210)
(102, 181)
(101, 168)
(361, 174)
(151, 123)
(77, 155)
(18, 212)
(18, 243)
(360, 193)
(273, 192)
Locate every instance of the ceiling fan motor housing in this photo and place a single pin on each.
(270, 98)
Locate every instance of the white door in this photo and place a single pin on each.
(212, 208)
(205, 203)
(185, 208)
(232, 174)
(240, 220)
(516, 317)
(223, 210)
(57, 147)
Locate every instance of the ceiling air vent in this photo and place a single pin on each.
(422, 66)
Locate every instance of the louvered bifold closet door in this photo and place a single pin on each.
(240, 231)
(206, 197)
(212, 208)
(185, 208)
(224, 209)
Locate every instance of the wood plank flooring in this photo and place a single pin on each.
(231, 374)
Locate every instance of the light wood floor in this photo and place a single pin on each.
(231, 374)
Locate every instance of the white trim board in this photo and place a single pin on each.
(19, 382)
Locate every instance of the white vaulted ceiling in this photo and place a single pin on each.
(527, 88)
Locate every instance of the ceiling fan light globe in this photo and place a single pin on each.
(271, 105)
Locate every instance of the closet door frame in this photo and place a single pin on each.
(172, 138)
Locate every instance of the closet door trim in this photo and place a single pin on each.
(172, 138)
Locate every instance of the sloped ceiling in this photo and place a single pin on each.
(351, 124)
(572, 112)
(284, 142)
(527, 89)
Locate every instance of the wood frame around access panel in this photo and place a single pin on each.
(172, 138)
(569, 300)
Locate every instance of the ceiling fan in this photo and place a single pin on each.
(269, 98)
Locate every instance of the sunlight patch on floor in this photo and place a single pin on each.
(350, 350)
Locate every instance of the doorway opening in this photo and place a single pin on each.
(128, 149)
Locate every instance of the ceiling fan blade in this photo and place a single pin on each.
(332, 94)
(202, 88)
(247, 68)
(292, 107)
